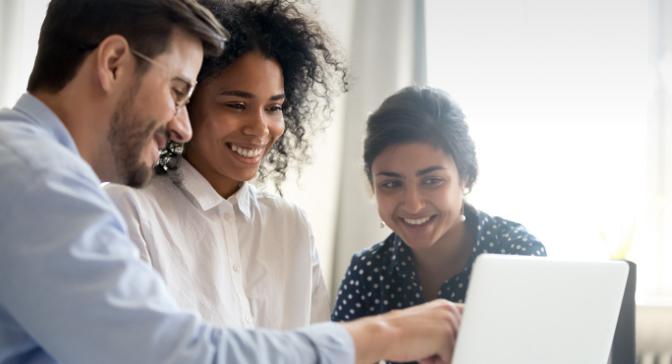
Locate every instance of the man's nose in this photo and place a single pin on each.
(179, 128)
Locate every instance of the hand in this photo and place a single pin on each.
(426, 332)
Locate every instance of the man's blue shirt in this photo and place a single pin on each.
(72, 287)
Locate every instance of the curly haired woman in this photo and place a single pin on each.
(233, 254)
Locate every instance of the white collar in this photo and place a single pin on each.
(201, 192)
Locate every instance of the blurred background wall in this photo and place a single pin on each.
(568, 103)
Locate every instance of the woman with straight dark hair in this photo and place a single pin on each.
(421, 161)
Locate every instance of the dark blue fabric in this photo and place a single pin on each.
(383, 277)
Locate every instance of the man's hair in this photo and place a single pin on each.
(422, 115)
(72, 28)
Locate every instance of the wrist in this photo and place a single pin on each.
(372, 338)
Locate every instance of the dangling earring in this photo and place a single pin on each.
(465, 192)
(169, 157)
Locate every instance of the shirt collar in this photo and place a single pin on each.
(476, 222)
(206, 197)
(40, 115)
(243, 199)
(400, 254)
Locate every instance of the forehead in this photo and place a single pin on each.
(252, 72)
(407, 159)
(184, 54)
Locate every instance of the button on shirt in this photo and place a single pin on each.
(248, 260)
(383, 277)
(72, 287)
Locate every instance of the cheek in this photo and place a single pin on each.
(451, 199)
(206, 144)
(276, 129)
(201, 133)
(386, 206)
(214, 131)
(160, 104)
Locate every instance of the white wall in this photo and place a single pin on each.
(317, 189)
(20, 22)
(561, 100)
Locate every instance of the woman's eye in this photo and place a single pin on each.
(236, 106)
(275, 108)
(433, 181)
(389, 184)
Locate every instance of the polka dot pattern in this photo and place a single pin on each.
(383, 277)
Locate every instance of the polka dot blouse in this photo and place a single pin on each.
(383, 277)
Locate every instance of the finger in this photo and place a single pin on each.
(454, 321)
(431, 360)
(445, 357)
(427, 361)
(445, 353)
(455, 308)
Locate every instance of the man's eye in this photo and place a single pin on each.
(179, 93)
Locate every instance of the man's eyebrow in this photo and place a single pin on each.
(183, 79)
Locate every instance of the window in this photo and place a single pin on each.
(560, 97)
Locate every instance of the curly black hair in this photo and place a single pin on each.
(313, 73)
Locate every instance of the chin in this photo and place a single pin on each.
(139, 177)
(419, 243)
(245, 176)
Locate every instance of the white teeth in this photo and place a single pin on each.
(417, 221)
(247, 153)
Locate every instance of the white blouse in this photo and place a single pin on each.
(249, 260)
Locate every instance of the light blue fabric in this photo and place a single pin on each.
(72, 289)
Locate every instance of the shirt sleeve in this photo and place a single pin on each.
(127, 203)
(71, 280)
(352, 299)
(524, 243)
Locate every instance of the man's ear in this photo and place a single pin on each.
(114, 59)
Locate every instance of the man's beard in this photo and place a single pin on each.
(128, 137)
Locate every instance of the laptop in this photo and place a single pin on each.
(532, 310)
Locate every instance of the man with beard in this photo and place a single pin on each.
(107, 92)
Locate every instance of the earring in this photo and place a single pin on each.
(382, 224)
(462, 217)
(169, 157)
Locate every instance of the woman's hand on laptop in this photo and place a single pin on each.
(425, 332)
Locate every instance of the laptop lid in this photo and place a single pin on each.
(531, 310)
